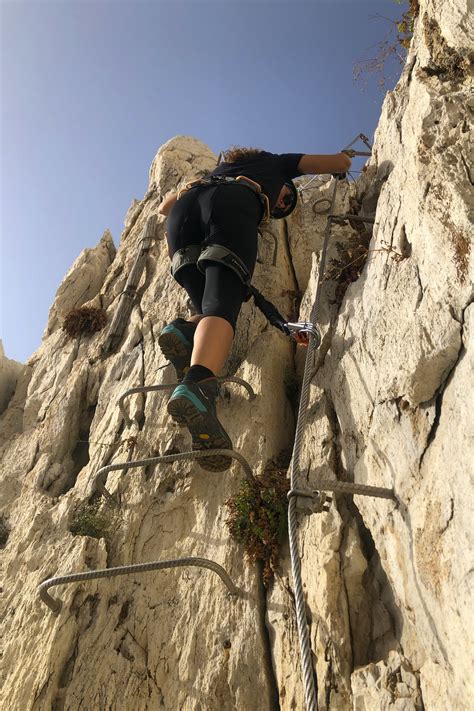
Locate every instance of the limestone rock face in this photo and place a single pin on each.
(9, 372)
(82, 282)
(386, 583)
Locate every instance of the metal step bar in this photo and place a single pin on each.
(157, 388)
(55, 604)
(97, 482)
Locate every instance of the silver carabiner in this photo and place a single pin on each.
(304, 327)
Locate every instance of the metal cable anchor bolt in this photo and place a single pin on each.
(310, 502)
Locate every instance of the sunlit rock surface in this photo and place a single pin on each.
(386, 583)
(9, 372)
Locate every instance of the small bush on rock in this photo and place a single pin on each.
(349, 263)
(258, 515)
(91, 520)
(86, 319)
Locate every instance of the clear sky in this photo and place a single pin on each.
(91, 89)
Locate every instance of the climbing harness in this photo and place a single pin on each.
(277, 213)
(185, 256)
(275, 318)
(217, 253)
(215, 180)
(304, 501)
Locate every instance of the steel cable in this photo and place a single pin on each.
(310, 684)
(309, 675)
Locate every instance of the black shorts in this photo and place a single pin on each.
(226, 215)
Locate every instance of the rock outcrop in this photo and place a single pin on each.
(9, 372)
(386, 583)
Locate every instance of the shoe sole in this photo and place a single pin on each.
(173, 347)
(204, 432)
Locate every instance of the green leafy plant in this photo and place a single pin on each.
(258, 515)
(94, 521)
(86, 319)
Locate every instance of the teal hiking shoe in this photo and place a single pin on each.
(194, 405)
(176, 343)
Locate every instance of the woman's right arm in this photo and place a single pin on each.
(318, 165)
(167, 203)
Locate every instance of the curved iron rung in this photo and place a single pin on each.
(55, 605)
(321, 200)
(168, 459)
(345, 487)
(156, 388)
(263, 232)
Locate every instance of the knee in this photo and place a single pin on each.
(223, 295)
(210, 309)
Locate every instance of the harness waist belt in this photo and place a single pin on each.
(228, 180)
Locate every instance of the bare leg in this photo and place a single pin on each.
(195, 319)
(212, 342)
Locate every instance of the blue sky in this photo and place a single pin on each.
(90, 90)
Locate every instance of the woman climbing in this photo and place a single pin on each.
(212, 239)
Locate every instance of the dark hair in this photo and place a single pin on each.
(235, 154)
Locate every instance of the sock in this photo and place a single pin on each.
(183, 320)
(196, 373)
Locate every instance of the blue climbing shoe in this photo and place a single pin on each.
(194, 405)
(176, 343)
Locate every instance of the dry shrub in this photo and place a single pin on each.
(258, 515)
(348, 265)
(86, 319)
(394, 45)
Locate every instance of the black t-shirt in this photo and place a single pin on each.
(270, 170)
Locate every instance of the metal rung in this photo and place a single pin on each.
(168, 459)
(352, 153)
(263, 232)
(334, 218)
(339, 487)
(363, 138)
(55, 605)
(156, 388)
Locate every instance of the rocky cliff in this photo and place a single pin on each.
(386, 582)
(9, 371)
